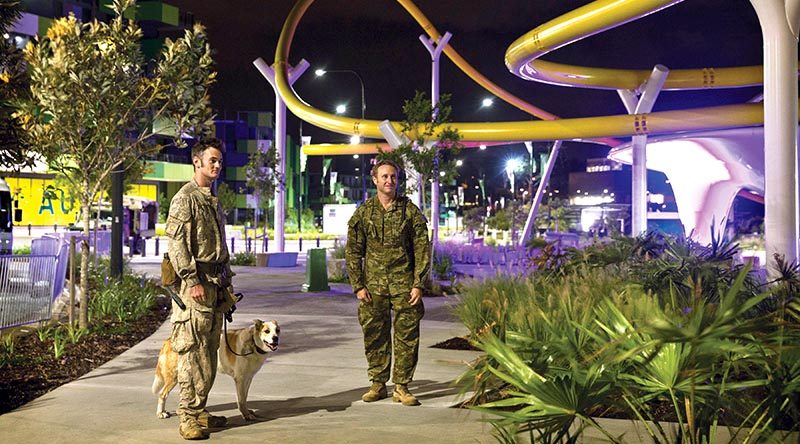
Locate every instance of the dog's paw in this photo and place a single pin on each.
(249, 415)
(163, 415)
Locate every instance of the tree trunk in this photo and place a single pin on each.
(83, 320)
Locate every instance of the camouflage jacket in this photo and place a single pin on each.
(387, 251)
(197, 234)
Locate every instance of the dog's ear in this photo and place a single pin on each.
(275, 322)
(258, 323)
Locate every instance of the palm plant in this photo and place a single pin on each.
(562, 349)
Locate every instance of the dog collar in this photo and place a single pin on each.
(259, 350)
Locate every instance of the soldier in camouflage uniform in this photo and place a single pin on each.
(388, 257)
(200, 257)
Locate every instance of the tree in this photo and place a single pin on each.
(261, 172)
(94, 107)
(424, 153)
(226, 197)
(14, 145)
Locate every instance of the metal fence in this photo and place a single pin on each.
(26, 288)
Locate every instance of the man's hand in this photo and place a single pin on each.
(198, 293)
(363, 295)
(416, 296)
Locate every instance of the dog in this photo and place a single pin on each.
(240, 356)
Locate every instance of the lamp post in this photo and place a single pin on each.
(322, 72)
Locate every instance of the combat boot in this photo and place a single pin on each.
(376, 392)
(190, 429)
(401, 394)
(207, 420)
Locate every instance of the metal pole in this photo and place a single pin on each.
(643, 105)
(280, 142)
(779, 24)
(537, 200)
(435, 49)
(117, 188)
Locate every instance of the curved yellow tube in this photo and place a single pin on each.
(566, 129)
(521, 56)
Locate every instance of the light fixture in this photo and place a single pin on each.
(355, 156)
(482, 147)
(319, 72)
(459, 162)
(355, 140)
(487, 102)
(340, 109)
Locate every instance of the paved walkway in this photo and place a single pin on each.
(308, 391)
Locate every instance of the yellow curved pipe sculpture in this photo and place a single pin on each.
(567, 129)
(521, 56)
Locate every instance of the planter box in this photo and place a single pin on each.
(280, 259)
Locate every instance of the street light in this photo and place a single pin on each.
(341, 109)
(512, 166)
(487, 102)
(322, 72)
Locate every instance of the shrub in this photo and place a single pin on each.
(20, 251)
(443, 265)
(598, 334)
(244, 258)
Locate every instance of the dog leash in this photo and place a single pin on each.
(257, 349)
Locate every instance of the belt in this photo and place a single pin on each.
(212, 268)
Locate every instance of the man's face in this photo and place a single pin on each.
(209, 164)
(385, 180)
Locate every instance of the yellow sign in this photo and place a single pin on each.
(43, 203)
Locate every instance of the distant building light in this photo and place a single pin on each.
(591, 200)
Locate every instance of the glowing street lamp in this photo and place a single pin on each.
(355, 140)
(341, 109)
(512, 166)
(487, 102)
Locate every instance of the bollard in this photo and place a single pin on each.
(317, 241)
(55, 228)
(144, 247)
(247, 242)
(316, 271)
(157, 247)
(233, 244)
(29, 228)
(130, 246)
(300, 244)
(264, 245)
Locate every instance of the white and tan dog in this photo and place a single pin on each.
(241, 358)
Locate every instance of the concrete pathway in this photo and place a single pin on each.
(308, 391)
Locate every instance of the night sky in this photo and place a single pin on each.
(380, 41)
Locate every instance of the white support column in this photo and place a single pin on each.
(435, 49)
(537, 200)
(779, 21)
(280, 143)
(642, 105)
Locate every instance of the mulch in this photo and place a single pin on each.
(34, 370)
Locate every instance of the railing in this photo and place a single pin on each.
(26, 288)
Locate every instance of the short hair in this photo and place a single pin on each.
(380, 163)
(202, 145)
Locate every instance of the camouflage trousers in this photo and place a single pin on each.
(195, 337)
(376, 323)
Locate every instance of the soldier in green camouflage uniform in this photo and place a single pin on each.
(200, 257)
(388, 257)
